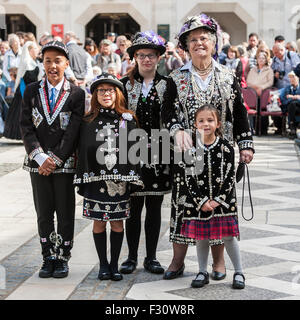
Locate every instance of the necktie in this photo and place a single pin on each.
(52, 99)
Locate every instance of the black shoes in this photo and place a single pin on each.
(201, 279)
(116, 276)
(61, 269)
(55, 268)
(216, 275)
(104, 275)
(153, 266)
(238, 284)
(47, 268)
(169, 275)
(128, 266)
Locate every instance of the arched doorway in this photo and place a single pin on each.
(232, 17)
(102, 23)
(17, 22)
(232, 24)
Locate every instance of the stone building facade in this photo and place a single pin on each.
(95, 18)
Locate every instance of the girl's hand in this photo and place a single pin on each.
(207, 207)
(213, 204)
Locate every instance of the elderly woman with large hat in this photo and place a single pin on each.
(201, 81)
(144, 89)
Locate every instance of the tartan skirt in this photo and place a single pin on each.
(213, 229)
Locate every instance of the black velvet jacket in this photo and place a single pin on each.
(98, 159)
(55, 133)
(156, 177)
(181, 103)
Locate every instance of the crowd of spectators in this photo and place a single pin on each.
(254, 63)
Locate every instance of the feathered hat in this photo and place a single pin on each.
(146, 40)
(200, 21)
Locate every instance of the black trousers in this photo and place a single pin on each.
(54, 193)
(293, 111)
(152, 224)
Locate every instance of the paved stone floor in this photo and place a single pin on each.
(270, 243)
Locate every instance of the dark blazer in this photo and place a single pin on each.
(56, 133)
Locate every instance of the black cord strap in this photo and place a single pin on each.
(243, 195)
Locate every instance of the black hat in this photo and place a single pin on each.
(106, 78)
(57, 45)
(279, 38)
(146, 40)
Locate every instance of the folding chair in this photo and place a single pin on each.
(264, 101)
(251, 99)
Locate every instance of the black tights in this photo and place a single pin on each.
(152, 225)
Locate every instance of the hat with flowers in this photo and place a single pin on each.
(200, 21)
(146, 40)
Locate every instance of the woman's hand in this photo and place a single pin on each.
(183, 140)
(246, 156)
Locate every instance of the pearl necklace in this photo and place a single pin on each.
(205, 71)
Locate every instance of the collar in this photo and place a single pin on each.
(10, 52)
(295, 88)
(283, 58)
(57, 87)
(71, 42)
(209, 147)
(189, 64)
(262, 69)
(111, 113)
(140, 79)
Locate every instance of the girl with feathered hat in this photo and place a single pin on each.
(144, 90)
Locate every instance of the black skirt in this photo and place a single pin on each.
(12, 125)
(106, 200)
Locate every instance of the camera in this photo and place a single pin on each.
(281, 74)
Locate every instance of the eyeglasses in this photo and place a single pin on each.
(142, 56)
(103, 91)
(201, 39)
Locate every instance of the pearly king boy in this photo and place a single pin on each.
(51, 114)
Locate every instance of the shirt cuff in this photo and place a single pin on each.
(40, 158)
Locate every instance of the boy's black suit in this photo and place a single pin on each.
(55, 134)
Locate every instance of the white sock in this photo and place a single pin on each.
(232, 248)
(202, 254)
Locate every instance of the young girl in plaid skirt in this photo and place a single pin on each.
(213, 194)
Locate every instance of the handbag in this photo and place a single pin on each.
(241, 173)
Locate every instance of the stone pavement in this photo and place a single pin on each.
(270, 243)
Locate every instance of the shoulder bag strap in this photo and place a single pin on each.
(243, 195)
